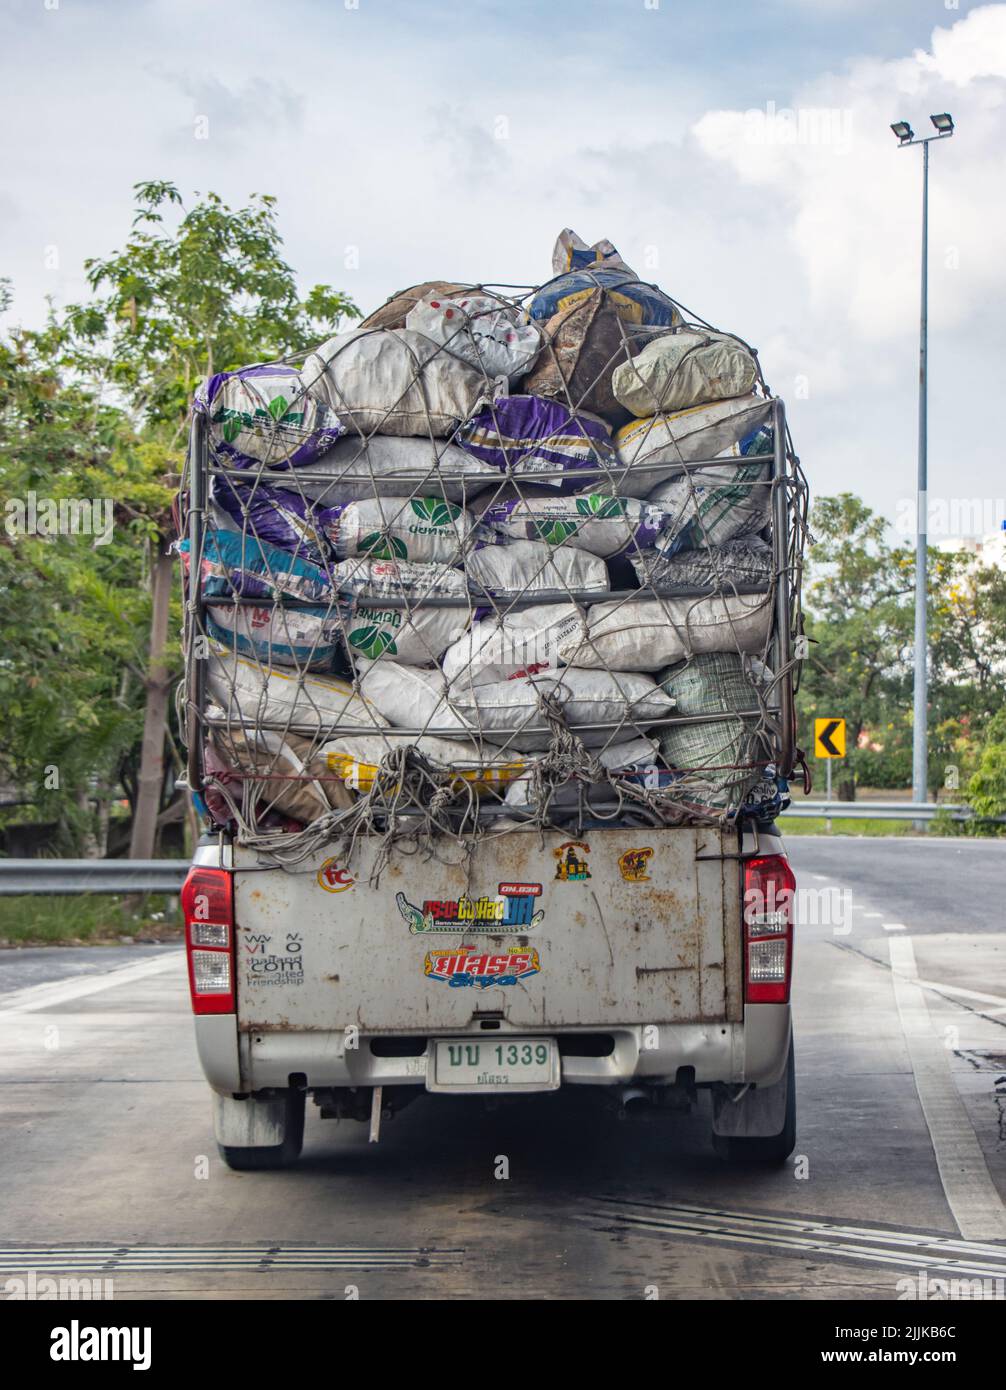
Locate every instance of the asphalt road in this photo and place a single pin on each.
(900, 1007)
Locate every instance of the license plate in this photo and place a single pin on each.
(496, 1064)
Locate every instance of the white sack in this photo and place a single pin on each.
(532, 567)
(682, 369)
(491, 336)
(521, 643)
(250, 693)
(655, 448)
(367, 578)
(646, 634)
(393, 381)
(508, 712)
(409, 697)
(422, 529)
(389, 465)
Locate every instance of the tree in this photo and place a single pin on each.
(71, 602)
(194, 291)
(860, 618)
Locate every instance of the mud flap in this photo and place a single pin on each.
(249, 1124)
(761, 1112)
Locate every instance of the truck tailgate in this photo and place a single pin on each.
(620, 927)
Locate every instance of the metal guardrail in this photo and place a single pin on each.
(879, 810)
(65, 876)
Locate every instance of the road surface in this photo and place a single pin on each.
(899, 1171)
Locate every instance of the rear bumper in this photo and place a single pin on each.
(753, 1051)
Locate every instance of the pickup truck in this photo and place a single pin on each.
(649, 961)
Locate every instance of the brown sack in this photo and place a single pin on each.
(584, 343)
(283, 775)
(392, 314)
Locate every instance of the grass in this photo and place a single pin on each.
(816, 825)
(83, 919)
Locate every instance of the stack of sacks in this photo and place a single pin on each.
(452, 491)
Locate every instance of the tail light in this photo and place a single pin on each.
(769, 885)
(208, 906)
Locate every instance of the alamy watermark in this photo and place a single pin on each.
(949, 516)
(68, 516)
(804, 125)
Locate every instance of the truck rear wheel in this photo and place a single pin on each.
(761, 1126)
(256, 1134)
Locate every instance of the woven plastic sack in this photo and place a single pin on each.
(531, 567)
(682, 369)
(357, 759)
(394, 312)
(747, 561)
(507, 646)
(511, 712)
(278, 516)
(584, 342)
(423, 529)
(365, 577)
(233, 563)
(490, 335)
(388, 465)
(251, 694)
(654, 448)
(409, 697)
(281, 777)
(264, 414)
(713, 754)
(416, 635)
(529, 436)
(393, 381)
(307, 638)
(597, 522)
(710, 506)
(643, 634)
(580, 269)
(628, 757)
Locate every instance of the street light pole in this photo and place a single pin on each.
(920, 701)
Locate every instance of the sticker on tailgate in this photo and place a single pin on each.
(512, 910)
(481, 968)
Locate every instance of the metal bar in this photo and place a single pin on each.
(195, 607)
(65, 876)
(319, 728)
(780, 552)
(524, 600)
(482, 482)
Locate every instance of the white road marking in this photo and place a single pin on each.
(965, 994)
(894, 926)
(125, 1259)
(55, 993)
(877, 915)
(969, 1189)
(905, 1249)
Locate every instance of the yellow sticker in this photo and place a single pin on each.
(634, 863)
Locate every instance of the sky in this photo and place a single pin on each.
(739, 155)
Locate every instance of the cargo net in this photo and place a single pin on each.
(497, 558)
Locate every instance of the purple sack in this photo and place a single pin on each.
(278, 516)
(264, 415)
(528, 435)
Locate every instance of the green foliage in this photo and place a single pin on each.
(94, 405)
(206, 292)
(861, 619)
(986, 790)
